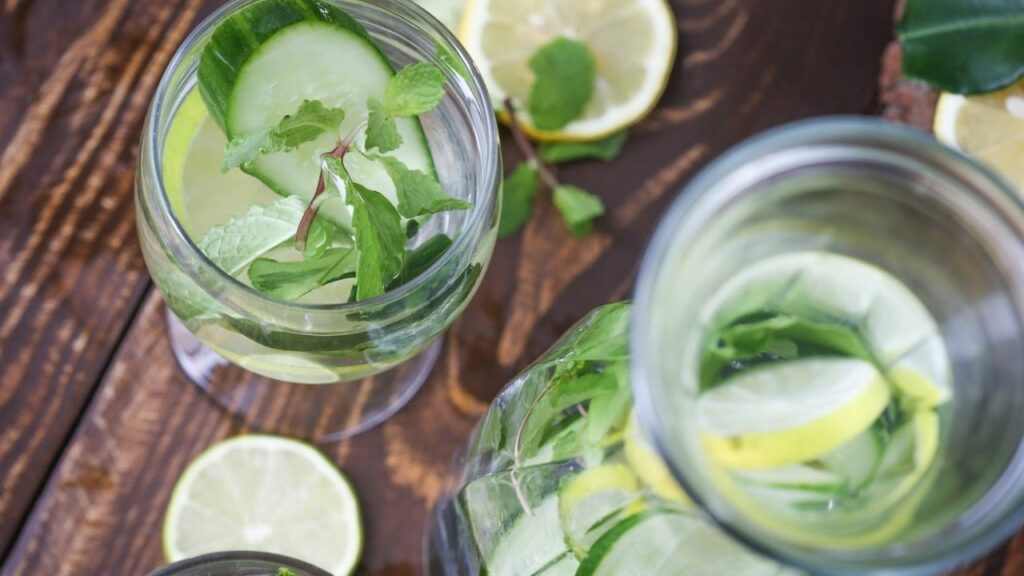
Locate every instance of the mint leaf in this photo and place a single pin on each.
(244, 149)
(379, 237)
(559, 152)
(414, 90)
(307, 123)
(578, 208)
(381, 131)
(304, 125)
(234, 245)
(418, 193)
(292, 280)
(517, 194)
(319, 239)
(285, 572)
(564, 72)
(963, 46)
(770, 336)
(418, 260)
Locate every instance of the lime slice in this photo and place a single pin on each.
(633, 43)
(187, 119)
(268, 494)
(989, 127)
(587, 501)
(792, 412)
(651, 469)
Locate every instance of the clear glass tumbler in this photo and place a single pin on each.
(239, 564)
(590, 460)
(944, 226)
(325, 372)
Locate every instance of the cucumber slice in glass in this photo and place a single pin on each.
(669, 543)
(264, 61)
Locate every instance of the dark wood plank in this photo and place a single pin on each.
(743, 66)
(75, 81)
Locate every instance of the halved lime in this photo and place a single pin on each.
(268, 494)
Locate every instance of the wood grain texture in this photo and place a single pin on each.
(75, 81)
(71, 273)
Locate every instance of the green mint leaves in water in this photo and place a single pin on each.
(963, 46)
(564, 82)
(308, 123)
(376, 257)
(413, 90)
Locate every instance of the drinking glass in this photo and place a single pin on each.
(326, 371)
(238, 564)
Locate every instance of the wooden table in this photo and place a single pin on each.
(96, 421)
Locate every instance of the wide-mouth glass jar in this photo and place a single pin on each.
(239, 564)
(594, 460)
(933, 220)
(324, 370)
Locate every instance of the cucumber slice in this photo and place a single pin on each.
(857, 459)
(532, 544)
(669, 543)
(564, 566)
(588, 499)
(265, 60)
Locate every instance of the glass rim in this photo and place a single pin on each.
(206, 560)
(679, 222)
(490, 162)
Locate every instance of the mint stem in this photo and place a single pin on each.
(339, 151)
(524, 145)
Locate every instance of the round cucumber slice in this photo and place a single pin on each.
(531, 544)
(668, 543)
(264, 61)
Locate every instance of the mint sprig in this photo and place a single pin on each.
(578, 207)
(309, 122)
(606, 149)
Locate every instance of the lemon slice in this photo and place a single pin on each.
(266, 494)
(589, 501)
(989, 127)
(633, 43)
(791, 412)
(649, 467)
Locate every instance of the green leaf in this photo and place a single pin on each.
(244, 149)
(414, 90)
(380, 240)
(418, 260)
(771, 336)
(564, 72)
(381, 130)
(319, 239)
(292, 280)
(285, 572)
(963, 46)
(419, 194)
(558, 152)
(578, 208)
(517, 194)
(304, 125)
(234, 245)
